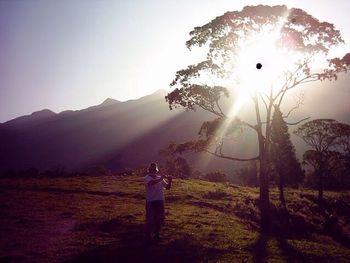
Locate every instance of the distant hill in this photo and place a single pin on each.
(106, 133)
(130, 134)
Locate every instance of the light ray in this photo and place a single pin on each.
(257, 48)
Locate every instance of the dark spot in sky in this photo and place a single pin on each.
(258, 66)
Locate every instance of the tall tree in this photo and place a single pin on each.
(326, 137)
(174, 164)
(283, 155)
(289, 40)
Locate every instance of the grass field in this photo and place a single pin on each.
(101, 219)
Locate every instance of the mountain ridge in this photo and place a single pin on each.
(80, 139)
(107, 102)
(127, 134)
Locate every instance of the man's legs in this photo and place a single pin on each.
(149, 221)
(159, 219)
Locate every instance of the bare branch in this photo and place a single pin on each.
(290, 111)
(285, 87)
(298, 103)
(210, 109)
(295, 123)
(311, 78)
(232, 158)
(249, 125)
(218, 105)
(263, 100)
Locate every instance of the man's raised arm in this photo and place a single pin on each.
(155, 181)
(168, 183)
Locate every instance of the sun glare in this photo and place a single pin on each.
(251, 77)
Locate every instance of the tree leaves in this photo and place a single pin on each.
(298, 31)
(283, 151)
(323, 134)
(202, 96)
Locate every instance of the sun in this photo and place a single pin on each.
(261, 66)
(261, 49)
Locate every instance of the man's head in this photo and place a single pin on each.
(153, 168)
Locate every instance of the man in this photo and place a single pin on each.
(154, 185)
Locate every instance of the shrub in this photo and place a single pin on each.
(216, 177)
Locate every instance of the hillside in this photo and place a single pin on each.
(100, 219)
(130, 134)
(101, 134)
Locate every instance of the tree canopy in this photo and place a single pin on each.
(324, 135)
(225, 36)
(329, 140)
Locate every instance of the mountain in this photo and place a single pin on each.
(109, 101)
(130, 134)
(30, 119)
(118, 134)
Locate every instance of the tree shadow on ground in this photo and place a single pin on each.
(131, 246)
(289, 253)
(259, 248)
(285, 226)
(289, 225)
(335, 214)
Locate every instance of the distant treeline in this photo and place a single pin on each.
(179, 168)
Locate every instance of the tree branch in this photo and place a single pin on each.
(298, 103)
(263, 100)
(285, 88)
(210, 109)
(295, 123)
(249, 125)
(231, 158)
(217, 105)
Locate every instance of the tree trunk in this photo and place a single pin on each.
(264, 195)
(264, 201)
(264, 186)
(320, 186)
(281, 190)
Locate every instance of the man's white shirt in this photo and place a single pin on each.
(154, 192)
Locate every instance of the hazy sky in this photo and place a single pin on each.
(73, 54)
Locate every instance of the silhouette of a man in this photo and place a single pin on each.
(154, 185)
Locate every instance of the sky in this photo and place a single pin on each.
(71, 54)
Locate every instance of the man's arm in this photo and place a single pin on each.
(168, 183)
(155, 181)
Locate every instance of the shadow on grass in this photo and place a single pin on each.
(292, 254)
(289, 225)
(131, 246)
(284, 226)
(289, 253)
(333, 211)
(335, 230)
(259, 248)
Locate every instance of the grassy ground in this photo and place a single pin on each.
(101, 219)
